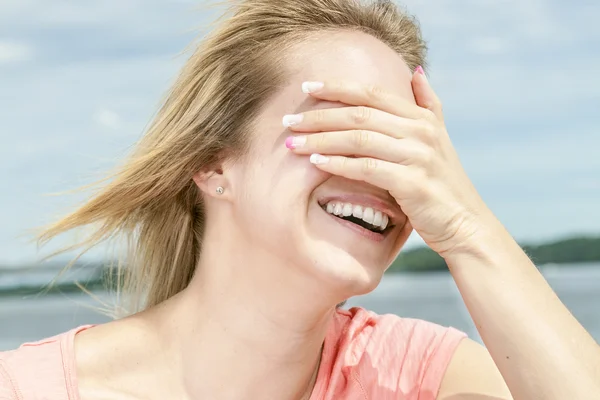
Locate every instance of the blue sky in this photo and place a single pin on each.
(79, 81)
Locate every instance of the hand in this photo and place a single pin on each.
(402, 147)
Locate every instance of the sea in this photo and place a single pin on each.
(429, 296)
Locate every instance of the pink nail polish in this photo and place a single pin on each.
(289, 143)
(419, 70)
(293, 142)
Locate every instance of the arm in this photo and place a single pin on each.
(540, 349)
(472, 375)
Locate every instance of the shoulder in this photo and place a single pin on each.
(38, 368)
(391, 357)
(8, 389)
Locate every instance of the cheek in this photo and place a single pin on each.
(274, 202)
(275, 184)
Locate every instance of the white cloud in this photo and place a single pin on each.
(14, 52)
(107, 118)
(526, 66)
(144, 18)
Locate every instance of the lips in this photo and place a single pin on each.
(369, 218)
(364, 232)
(385, 204)
(369, 215)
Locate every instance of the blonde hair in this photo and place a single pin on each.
(151, 201)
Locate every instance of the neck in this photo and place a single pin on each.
(248, 324)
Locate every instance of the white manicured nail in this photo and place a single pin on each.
(311, 87)
(290, 120)
(318, 159)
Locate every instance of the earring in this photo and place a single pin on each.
(220, 190)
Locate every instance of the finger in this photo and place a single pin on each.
(398, 179)
(350, 118)
(424, 94)
(360, 143)
(357, 94)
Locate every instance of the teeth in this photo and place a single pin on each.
(347, 210)
(377, 219)
(367, 214)
(338, 209)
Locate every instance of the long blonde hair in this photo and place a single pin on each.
(150, 203)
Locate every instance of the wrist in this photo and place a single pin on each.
(486, 241)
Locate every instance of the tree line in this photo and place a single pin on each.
(566, 251)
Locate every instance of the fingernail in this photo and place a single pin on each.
(290, 120)
(318, 159)
(419, 70)
(311, 87)
(293, 142)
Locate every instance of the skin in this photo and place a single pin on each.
(232, 330)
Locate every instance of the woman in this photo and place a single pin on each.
(246, 233)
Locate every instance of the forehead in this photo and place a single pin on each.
(353, 56)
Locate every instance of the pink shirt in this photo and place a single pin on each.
(365, 356)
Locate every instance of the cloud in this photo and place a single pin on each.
(14, 52)
(107, 118)
(518, 80)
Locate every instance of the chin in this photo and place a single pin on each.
(355, 234)
(347, 273)
(351, 261)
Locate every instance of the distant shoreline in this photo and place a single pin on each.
(99, 286)
(92, 276)
(573, 250)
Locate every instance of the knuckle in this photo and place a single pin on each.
(374, 92)
(428, 115)
(369, 166)
(344, 163)
(321, 142)
(361, 138)
(318, 115)
(428, 132)
(427, 156)
(361, 114)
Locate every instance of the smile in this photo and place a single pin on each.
(368, 218)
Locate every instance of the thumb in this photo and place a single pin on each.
(424, 94)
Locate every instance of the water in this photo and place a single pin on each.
(432, 297)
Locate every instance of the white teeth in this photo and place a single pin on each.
(338, 209)
(347, 211)
(374, 217)
(368, 215)
(377, 219)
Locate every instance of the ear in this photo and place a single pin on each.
(210, 179)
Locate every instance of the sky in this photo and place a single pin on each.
(80, 80)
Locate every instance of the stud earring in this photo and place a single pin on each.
(220, 190)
